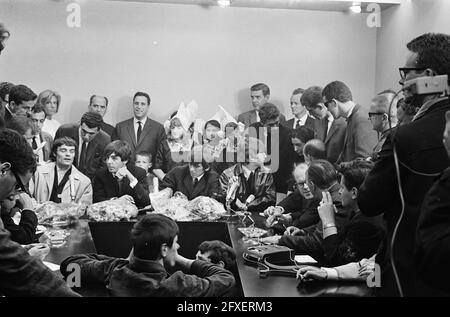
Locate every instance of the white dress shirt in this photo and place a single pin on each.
(301, 120)
(136, 126)
(40, 152)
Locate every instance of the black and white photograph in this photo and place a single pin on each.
(247, 151)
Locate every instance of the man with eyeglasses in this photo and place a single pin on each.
(20, 273)
(331, 131)
(381, 120)
(421, 158)
(91, 141)
(359, 136)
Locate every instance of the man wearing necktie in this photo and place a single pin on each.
(42, 141)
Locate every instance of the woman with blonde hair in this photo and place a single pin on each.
(50, 100)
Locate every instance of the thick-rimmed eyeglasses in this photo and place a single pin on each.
(405, 70)
(329, 103)
(371, 114)
(20, 187)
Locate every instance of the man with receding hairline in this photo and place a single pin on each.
(99, 104)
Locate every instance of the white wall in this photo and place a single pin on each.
(182, 52)
(401, 24)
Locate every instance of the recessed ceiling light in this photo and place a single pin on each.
(224, 3)
(355, 9)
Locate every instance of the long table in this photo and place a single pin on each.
(80, 241)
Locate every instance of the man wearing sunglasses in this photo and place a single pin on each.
(20, 273)
(421, 158)
(359, 137)
(383, 122)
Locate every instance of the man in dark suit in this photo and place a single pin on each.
(421, 158)
(91, 141)
(276, 138)
(193, 180)
(100, 104)
(260, 94)
(5, 87)
(140, 132)
(329, 130)
(360, 139)
(301, 115)
(41, 142)
(21, 101)
(118, 179)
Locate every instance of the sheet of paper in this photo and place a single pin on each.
(304, 259)
(52, 266)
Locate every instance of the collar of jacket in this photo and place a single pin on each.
(146, 266)
(426, 107)
(49, 168)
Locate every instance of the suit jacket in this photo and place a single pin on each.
(42, 186)
(334, 140)
(309, 123)
(282, 157)
(249, 117)
(418, 146)
(106, 186)
(179, 179)
(8, 115)
(360, 138)
(153, 135)
(109, 129)
(94, 151)
(47, 149)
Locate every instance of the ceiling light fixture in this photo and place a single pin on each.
(356, 7)
(224, 3)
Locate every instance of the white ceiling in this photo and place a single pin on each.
(320, 5)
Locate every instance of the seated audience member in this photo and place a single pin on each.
(298, 209)
(90, 140)
(299, 137)
(144, 161)
(433, 229)
(380, 118)
(51, 101)
(120, 179)
(25, 231)
(193, 180)
(176, 149)
(360, 138)
(280, 150)
(99, 104)
(249, 185)
(320, 176)
(145, 272)
(361, 236)
(21, 101)
(60, 181)
(314, 150)
(22, 125)
(354, 271)
(331, 131)
(5, 87)
(21, 274)
(41, 142)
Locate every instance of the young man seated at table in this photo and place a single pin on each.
(60, 181)
(120, 179)
(194, 179)
(145, 271)
(249, 185)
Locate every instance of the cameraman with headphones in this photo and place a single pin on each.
(409, 162)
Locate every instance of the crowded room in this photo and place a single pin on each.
(224, 148)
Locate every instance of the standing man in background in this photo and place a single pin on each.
(300, 113)
(99, 104)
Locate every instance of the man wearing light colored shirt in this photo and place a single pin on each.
(41, 142)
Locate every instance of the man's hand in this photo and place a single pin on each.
(241, 205)
(37, 250)
(271, 240)
(311, 273)
(273, 211)
(367, 267)
(326, 208)
(26, 201)
(293, 231)
(124, 172)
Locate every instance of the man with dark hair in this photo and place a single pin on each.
(5, 87)
(141, 132)
(300, 113)
(144, 273)
(22, 125)
(360, 139)
(120, 178)
(99, 104)
(41, 142)
(21, 101)
(20, 273)
(90, 140)
(4, 36)
(276, 139)
(421, 158)
(299, 137)
(59, 181)
(260, 94)
(193, 179)
(314, 150)
(331, 131)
